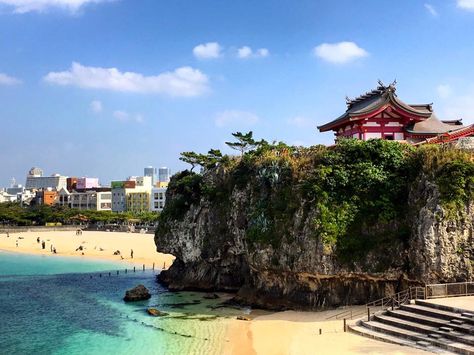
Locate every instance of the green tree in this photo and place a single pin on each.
(245, 142)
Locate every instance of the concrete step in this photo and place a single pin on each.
(363, 331)
(465, 314)
(426, 330)
(413, 336)
(437, 313)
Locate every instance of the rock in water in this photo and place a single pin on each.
(156, 313)
(138, 293)
(210, 296)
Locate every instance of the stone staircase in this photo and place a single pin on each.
(422, 325)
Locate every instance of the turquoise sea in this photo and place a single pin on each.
(54, 305)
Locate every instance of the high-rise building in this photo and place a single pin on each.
(150, 171)
(164, 174)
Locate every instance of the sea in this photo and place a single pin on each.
(61, 305)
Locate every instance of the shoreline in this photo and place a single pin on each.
(96, 245)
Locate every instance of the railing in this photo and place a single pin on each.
(396, 300)
(454, 289)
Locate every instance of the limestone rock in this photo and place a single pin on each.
(156, 313)
(138, 293)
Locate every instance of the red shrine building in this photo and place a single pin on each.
(381, 114)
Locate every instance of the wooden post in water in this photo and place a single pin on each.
(110, 274)
(134, 269)
(153, 266)
(100, 275)
(125, 270)
(143, 267)
(117, 272)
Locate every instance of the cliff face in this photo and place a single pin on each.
(261, 228)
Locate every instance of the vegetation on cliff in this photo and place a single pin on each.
(357, 192)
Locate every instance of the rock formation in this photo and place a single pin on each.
(138, 293)
(319, 227)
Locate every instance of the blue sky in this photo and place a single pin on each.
(104, 88)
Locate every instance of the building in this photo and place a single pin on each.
(46, 197)
(381, 114)
(164, 174)
(71, 183)
(132, 195)
(158, 199)
(6, 197)
(87, 183)
(36, 180)
(150, 171)
(138, 201)
(86, 200)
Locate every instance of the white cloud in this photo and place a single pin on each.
(207, 51)
(430, 8)
(234, 117)
(124, 116)
(301, 122)
(96, 106)
(184, 81)
(246, 52)
(466, 4)
(444, 90)
(8, 80)
(342, 52)
(24, 6)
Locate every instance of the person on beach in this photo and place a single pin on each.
(131, 253)
(17, 243)
(8, 235)
(38, 240)
(54, 250)
(43, 244)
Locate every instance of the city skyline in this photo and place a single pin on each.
(104, 88)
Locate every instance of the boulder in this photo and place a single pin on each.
(156, 313)
(243, 318)
(138, 293)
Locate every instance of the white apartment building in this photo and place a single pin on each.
(88, 200)
(158, 199)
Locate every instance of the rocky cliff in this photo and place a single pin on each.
(306, 228)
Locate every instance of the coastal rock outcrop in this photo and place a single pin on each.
(138, 293)
(317, 227)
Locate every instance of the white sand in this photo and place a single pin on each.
(298, 333)
(66, 243)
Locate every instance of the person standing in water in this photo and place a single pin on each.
(131, 253)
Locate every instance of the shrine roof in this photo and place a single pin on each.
(374, 100)
(432, 126)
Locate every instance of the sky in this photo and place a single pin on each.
(103, 88)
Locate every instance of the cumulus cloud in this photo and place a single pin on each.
(96, 106)
(444, 90)
(184, 81)
(24, 6)
(466, 4)
(124, 116)
(246, 52)
(234, 117)
(430, 8)
(208, 50)
(301, 122)
(342, 52)
(8, 80)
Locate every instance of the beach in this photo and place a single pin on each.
(291, 332)
(287, 332)
(95, 245)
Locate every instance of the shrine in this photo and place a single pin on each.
(381, 114)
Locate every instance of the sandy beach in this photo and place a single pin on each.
(95, 245)
(270, 334)
(297, 333)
